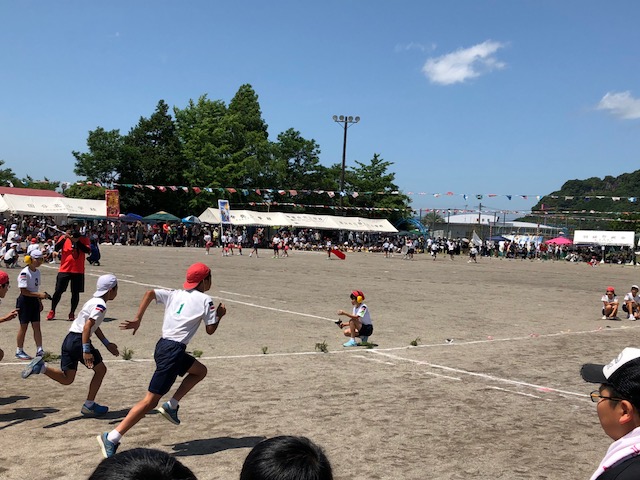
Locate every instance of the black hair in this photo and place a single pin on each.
(286, 458)
(141, 464)
(616, 394)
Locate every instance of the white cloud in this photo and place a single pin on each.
(464, 64)
(413, 46)
(621, 105)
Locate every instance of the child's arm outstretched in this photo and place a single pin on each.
(135, 324)
(9, 316)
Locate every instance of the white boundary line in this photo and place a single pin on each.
(484, 376)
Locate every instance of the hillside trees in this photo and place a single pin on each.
(211, 145)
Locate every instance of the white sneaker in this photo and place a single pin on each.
(604, 317)
(631, 317)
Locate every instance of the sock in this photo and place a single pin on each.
(39, 348)
(19, 350)
(89, 403)
(173, 403)
(114, 436)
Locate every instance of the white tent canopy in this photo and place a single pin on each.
(605, 238)
(52, 206)
(299, 220)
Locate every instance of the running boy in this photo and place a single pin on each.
(184, 310)
(4, 288)
(29, 304)
(359, 324)
(77, 347)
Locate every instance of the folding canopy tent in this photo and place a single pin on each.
(299, 220)
(53, 206)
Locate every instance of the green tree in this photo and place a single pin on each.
(45, 184)
(297, 162)
(91, 192)
(103, 161)
(376, 188)
(8, 178)
(152, 155)
(247, 140)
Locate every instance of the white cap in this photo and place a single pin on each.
(13, 226)
(35, 253)
(105, 283)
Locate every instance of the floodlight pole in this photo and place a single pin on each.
(347, 122)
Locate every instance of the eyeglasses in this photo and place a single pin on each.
(596, 396)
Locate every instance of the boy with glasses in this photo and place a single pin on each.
(4, 288)
(618, 407)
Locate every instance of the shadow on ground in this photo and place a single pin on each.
(213, 445)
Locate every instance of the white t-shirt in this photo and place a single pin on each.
(630, 298)
(95, 308)
(184, 309)
(613, 299)
(11, 254)
(29, 279)
(363, 312)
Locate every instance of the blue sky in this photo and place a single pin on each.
(470, 97)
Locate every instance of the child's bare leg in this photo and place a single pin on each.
(139, 410)
(63, 377)
(22, 332)
(37, 333)
(195, 374)
(99, 371)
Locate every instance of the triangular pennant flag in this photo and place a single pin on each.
(150, 187)
(173, 188)
(196, 189)
(231, 190)
(508, 196)
(293, 193)
(185, 189)
(331, 194)
(162, 189)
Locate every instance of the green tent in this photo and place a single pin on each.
(162, 216)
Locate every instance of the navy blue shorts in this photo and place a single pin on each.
(29, 309)
(72, 352)
(171, 360)
(365, 330)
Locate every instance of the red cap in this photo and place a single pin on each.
(195, 274)
(611, 289)
(33, 240)
(4, 278)
(357, 293)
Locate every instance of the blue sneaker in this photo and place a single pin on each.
(108, 448)
(350, 343)
(95, 410)
(169, 413)
(35, 366)
(22, 355)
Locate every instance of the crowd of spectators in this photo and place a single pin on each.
(18, 231)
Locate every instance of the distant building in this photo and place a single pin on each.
(486, 225)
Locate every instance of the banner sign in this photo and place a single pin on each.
(113, 203)
(225, 211)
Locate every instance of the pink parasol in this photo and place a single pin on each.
(559, 241)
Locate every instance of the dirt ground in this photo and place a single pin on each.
(503, 399)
